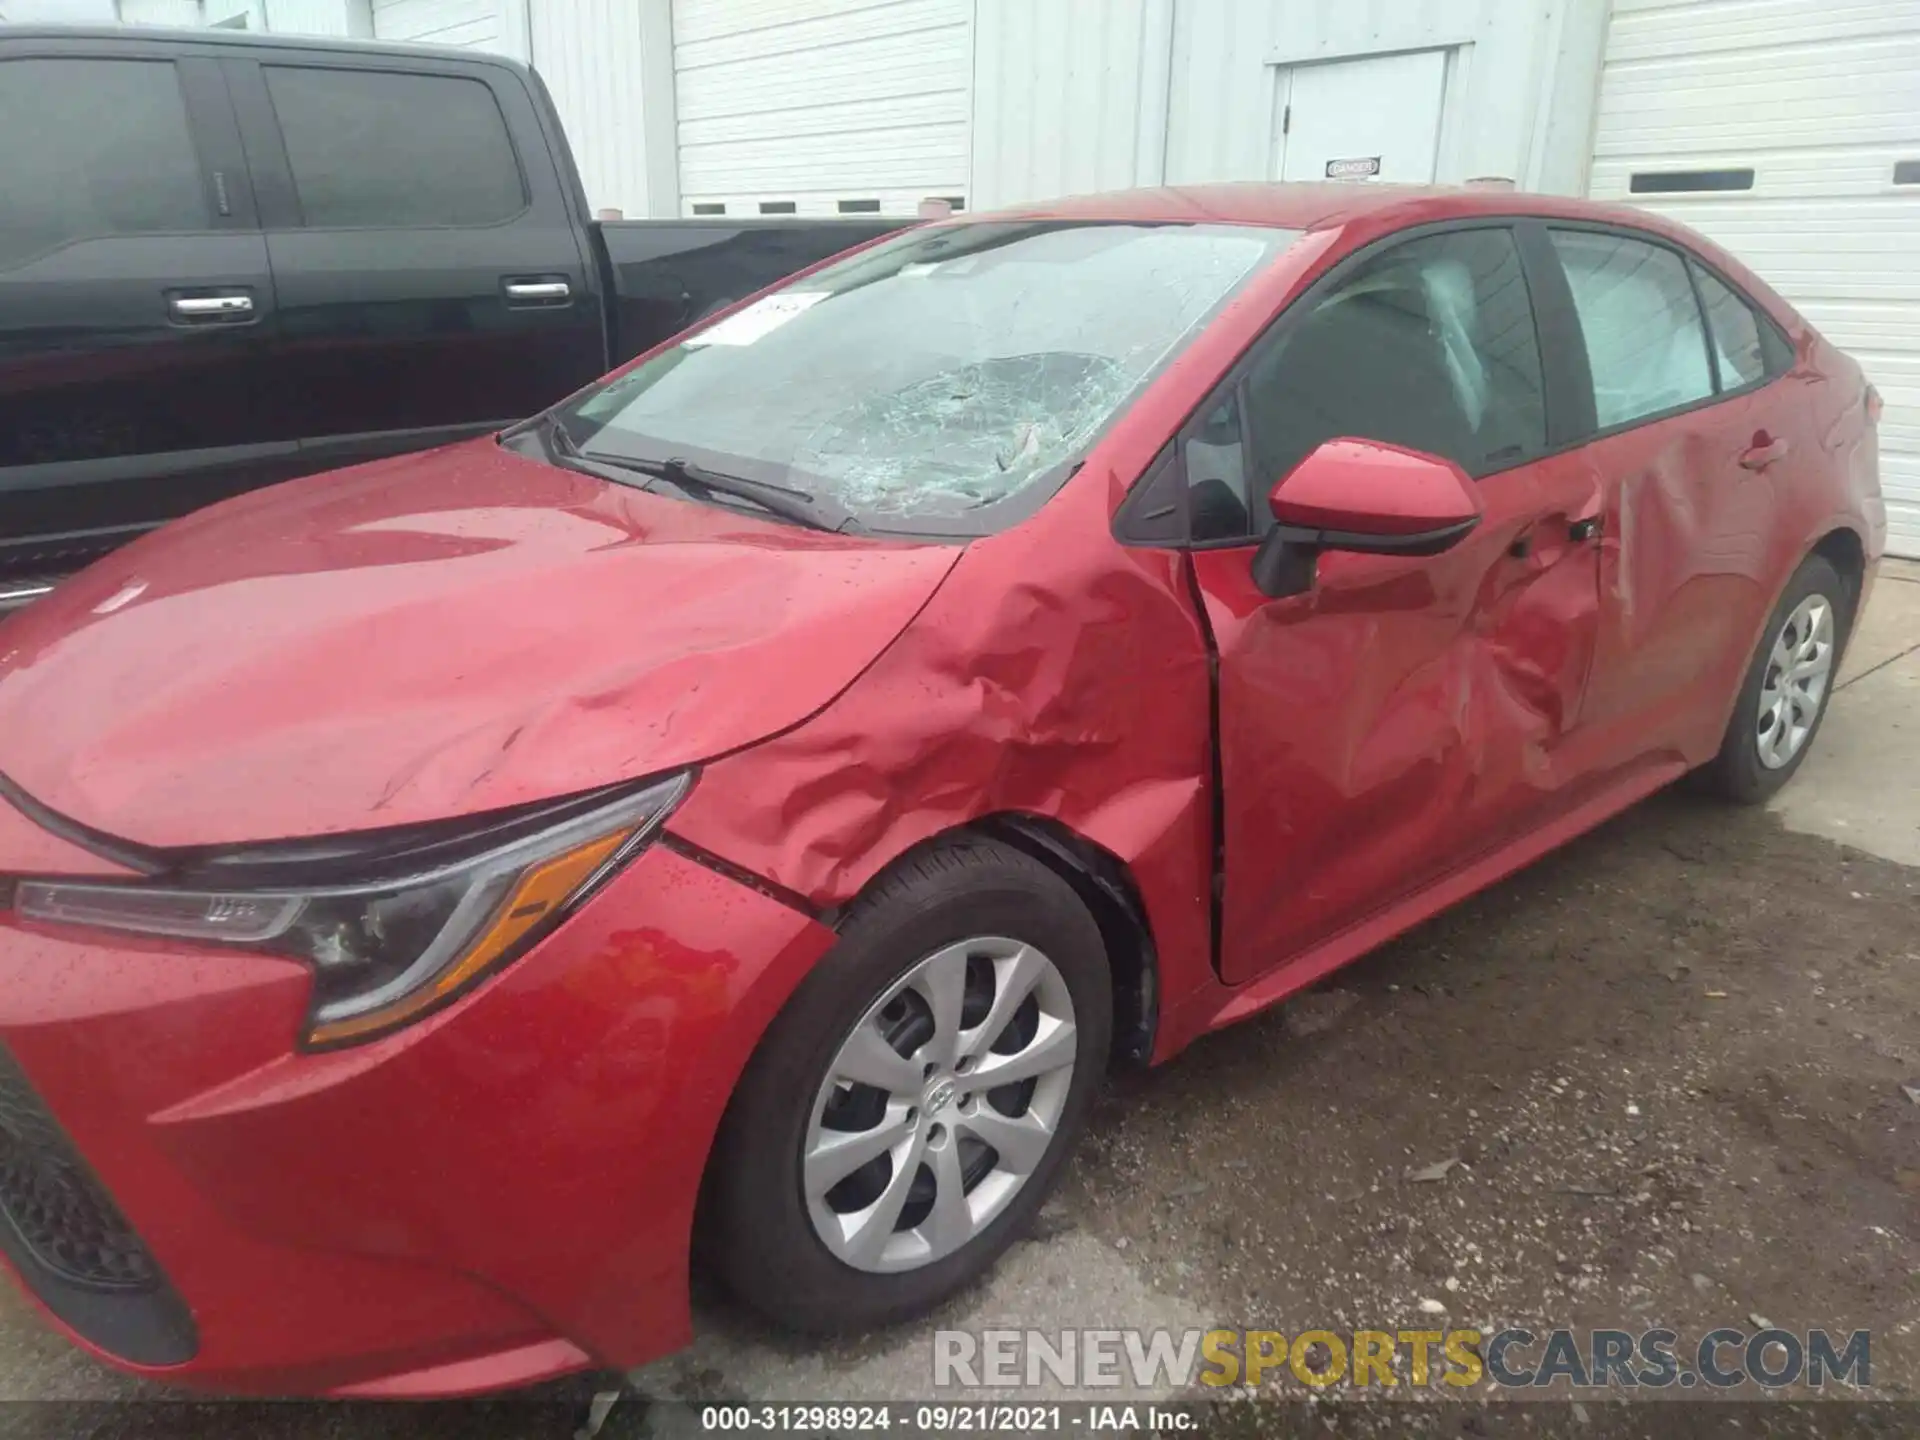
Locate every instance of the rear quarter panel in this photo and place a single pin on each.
(1827, 419)
(1838, 429)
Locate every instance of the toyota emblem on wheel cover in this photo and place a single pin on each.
(939, 1096)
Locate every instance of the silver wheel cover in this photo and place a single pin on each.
(1799, 667)
(939, 1104)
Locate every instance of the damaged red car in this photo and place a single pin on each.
(745, 809)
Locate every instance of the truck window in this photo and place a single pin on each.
(93, 148)
(373, 148)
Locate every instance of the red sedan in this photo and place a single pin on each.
(764, 793)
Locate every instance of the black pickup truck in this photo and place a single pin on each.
(228, 260)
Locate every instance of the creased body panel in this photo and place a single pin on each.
(433, 636)
(1054, 675)
(1698, 549)
(1401, 717)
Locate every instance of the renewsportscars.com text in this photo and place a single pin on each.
(1513, 1358)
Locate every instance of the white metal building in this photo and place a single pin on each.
(1787, 129)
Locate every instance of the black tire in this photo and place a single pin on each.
(1737, 772)
(759, 1238)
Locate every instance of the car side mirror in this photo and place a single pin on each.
(1362, 496)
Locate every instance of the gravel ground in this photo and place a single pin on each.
(1668, 1063)
(1659, 1079)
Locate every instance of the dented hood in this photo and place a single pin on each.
(428, 637)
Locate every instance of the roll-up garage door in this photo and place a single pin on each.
(818, 107)
(1789, 131)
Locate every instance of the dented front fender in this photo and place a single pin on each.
(1049, 676)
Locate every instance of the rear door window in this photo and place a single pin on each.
(1645, 344)
(1744, 343)
(90, 149)
(380, 149)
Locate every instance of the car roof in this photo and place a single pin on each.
(172, 36)
(1367, 211)
(1321, 205)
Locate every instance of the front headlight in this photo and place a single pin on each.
(386, 952)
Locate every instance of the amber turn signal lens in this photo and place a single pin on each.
(540, 893)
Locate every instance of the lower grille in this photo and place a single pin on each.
(60, 1212)
(71, 1244)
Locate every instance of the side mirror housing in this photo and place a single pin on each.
(1367, 497)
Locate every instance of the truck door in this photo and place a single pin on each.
(434, 278)
(135, 302)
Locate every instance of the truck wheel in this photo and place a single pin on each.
(913, 1105)
(1784, 696)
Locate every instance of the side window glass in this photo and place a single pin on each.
(1221, 501)
(1429, 345)
(92, 149)
(1645, 345)
(1734, 330)
(377, 149)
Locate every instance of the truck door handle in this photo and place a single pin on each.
(1763, 452)
(233, 309)
(538, 292)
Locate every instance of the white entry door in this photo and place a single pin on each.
(1372, 119)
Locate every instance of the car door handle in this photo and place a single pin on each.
(538, 292)
(211, 309)
(1763, 452)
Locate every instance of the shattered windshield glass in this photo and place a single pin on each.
(937, 373)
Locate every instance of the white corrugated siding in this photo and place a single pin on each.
(281, 17)
(473, 23)
(818, 101)
(589, 53)
(1820, 98)
(1069, 97)
(156, 12)
(309, 17)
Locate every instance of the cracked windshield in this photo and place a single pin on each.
(935, 375)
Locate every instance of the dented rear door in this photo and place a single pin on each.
(1696, 433)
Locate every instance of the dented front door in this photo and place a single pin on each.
(1403, 717)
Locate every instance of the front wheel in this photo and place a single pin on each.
(1788, 684)
(913, 1105)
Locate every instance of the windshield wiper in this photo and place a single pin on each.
(802, 507)
(550, 430)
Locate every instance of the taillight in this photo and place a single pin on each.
(1873, 406)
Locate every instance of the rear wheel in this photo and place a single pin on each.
(913, 1105)
(1788, 684)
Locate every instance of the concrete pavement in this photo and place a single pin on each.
(1861, 783)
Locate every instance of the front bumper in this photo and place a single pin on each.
(501, 1192)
